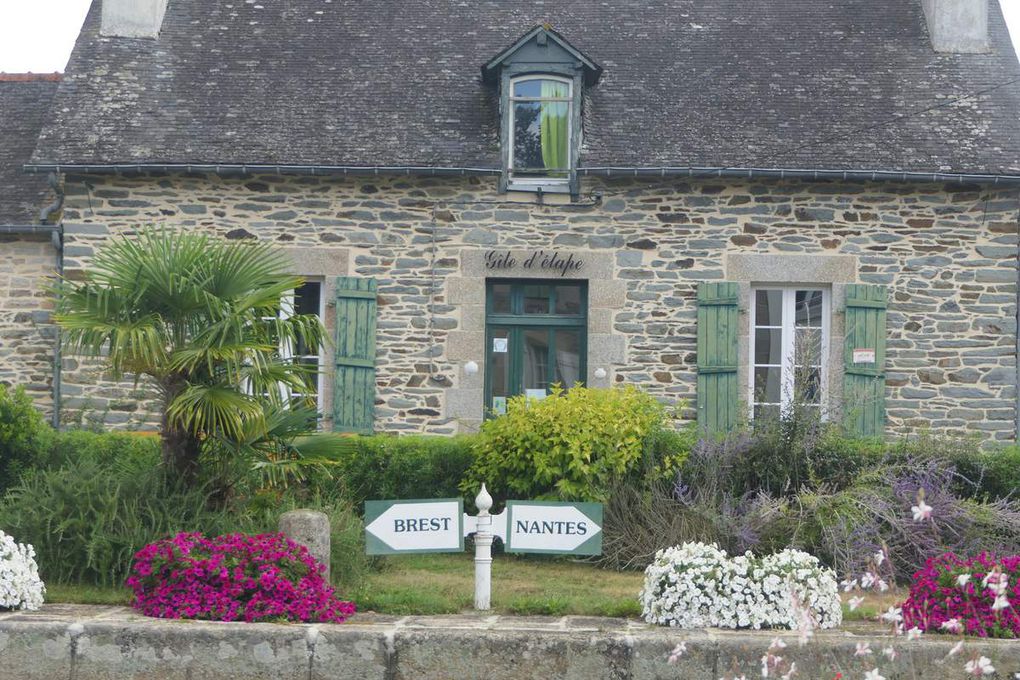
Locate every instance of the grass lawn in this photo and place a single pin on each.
(444, 584)
(82, 594)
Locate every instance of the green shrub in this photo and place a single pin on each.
(666, 450)
(88, 515)
(103, 447)
(570, 446)
(388, 466)
(25, 437)
(999, 472)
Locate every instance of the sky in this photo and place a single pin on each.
(37, 35)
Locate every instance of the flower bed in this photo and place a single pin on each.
(237, 577)
(697, 585)
(959, 595)
(20, 585)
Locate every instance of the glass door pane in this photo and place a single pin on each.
(500, 385)
(568, 358)
(535, 362)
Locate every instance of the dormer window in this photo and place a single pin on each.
(540, 145)
(540, 78)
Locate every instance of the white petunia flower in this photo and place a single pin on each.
(20, 585)
(879, 558)
(956, 649)
(952, 626)
(893, 615)
(863, 649)
(922, 511)
(980, 666)
(914, 633)
(873, 674)
(855, 602)
(962, 580)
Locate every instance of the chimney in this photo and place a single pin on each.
(132, 18)
(957, 25)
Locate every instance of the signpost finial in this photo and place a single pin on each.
(483, 500)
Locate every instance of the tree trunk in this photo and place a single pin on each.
(180, 454)
(180, 448)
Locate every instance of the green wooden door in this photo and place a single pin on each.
(354, 382)
(864, 360)
(718, 330)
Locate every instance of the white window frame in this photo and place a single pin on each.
(553, 184)
(788, 343)
(286, 351)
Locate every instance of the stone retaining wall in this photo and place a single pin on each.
(948, 253)
(103, 643)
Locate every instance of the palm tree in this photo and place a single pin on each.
(202, 318)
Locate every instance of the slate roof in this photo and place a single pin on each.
(702, 83)
(24, 104)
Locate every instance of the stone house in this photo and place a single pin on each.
(733, 205)
(29, 241)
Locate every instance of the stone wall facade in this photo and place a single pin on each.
(27, 336)
(948, 253)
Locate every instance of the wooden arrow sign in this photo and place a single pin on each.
(550, 527)
(414, 526)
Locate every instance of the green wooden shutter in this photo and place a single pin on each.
(864, 383)
(354, 381)
(718, 330)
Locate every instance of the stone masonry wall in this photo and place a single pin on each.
(947, 252)
(27, 265)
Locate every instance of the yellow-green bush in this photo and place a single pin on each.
(570, 446)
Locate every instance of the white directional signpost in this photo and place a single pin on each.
(547, 527)
(421, 526)
(424, 526)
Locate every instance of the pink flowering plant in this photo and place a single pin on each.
(236, 577)
(972, 596)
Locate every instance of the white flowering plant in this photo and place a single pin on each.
(20, 585)
(695, 585)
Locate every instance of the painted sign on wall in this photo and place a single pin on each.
(551, 261)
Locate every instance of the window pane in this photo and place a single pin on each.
(538, 87)
(307, 298)
(768, 308)
(499, 368)
(768, 385)
(536, 362)
(807, 346)
(766, 412)
(311, 374)
(501, 298)
(527, 136)
(568, 358)
(768, 346)
(808, 385)
(568, 300)
(536, 299)
(809, 308)
(541, 131)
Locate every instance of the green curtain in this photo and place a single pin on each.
(554, 126)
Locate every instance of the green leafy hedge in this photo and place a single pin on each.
(391, 467)
(25, 437)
